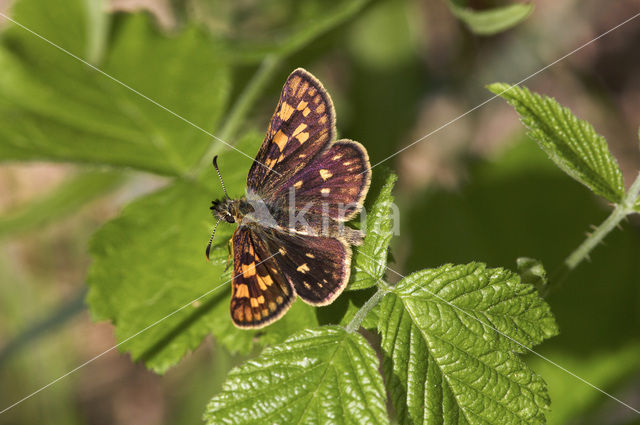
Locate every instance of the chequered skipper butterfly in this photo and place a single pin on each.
(275, 259)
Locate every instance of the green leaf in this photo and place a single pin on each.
(491, 21)
(291, 25)
(442, 359)
(571, 143)
(321, 375)
(370, 259)
(64, 199)
(532, 272)
(56, 108)
(150, 262)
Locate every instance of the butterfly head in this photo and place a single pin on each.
(224, 209)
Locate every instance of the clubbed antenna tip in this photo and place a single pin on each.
(215, 165)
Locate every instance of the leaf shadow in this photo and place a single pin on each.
(181, 327)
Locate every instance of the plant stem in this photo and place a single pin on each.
(619, 213)
(241, 107)
(248, 96)
(354, 325)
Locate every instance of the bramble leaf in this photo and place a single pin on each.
(57, 108)
(150, 262)
(443, 360)
(491, 21)
(370, 259)
(321, 375)
(570, 142)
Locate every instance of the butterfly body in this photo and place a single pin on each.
(303, 186)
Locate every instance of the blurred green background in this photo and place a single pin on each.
(76, 148)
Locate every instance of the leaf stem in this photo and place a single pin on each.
(354, 324)
(621, 210)
(241, 107)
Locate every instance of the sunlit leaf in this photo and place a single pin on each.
(450, 353)
(57, 108)
(321, 375)
(570, 142)
(370, 259)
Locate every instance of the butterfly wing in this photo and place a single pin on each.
(301, 127)
(317, 267)
(260, 293)
(333, 185)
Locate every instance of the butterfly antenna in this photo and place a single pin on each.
(211, 239)
(215, 165)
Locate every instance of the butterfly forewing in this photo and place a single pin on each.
(302, 126)
(261, 293)
(333, 185)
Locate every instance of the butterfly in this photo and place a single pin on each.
(301, 188)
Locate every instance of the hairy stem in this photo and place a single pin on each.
(354, 325)
(617, 215)
(241, 107)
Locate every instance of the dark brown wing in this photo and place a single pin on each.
(333, 185)
(260, 293)
(302, 126)
(317, 267)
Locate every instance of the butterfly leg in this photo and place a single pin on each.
(230, 247)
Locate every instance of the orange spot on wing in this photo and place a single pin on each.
(242, 291)
(285, 111)
(325, 174)
(248, 270)
(299, 129)
(264, 282)
(280, 139)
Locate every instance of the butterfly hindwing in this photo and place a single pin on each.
(317, 267)
(260, 291)
(302, 126)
